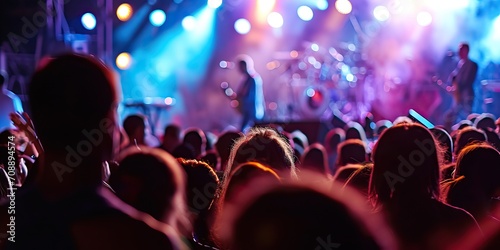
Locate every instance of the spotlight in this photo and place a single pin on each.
(189, 23)
(214, 4)
(242, 26)
(124, 12)
(157, 17)
(381, 13)
(123, 60)
(322, 4)
(343, 6)
(424, 18)
(88, 21)
(305, 13)
(275, 20)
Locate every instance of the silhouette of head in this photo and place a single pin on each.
(262, 145)
(73, 96)
(152, 181)
(315, 158)
(196, 138)
(406, 164)
(463, 51)
(333, 138)
(303, 216)
(351, 151)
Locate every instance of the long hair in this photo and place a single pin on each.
(262, 145)
(406, 164)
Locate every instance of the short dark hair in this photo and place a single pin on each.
(69, 94)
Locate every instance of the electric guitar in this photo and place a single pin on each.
(450, 89)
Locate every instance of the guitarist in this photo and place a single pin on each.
(250, 94)
(463, 78)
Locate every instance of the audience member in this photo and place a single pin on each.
(300, 138)
(467, 136)
(197, 139)
(210, 157)
(152, 181)
(135, 129)
(304, 214)
(404, 186)
(202, 185)
(382, 125)
(351, 151)
(445, 143)
(476, 182)
(485, 121)
(73, 99)
(171, 138)
(354, 130)
(224, 145)
(360, 179)
(332, 140)
(345, 172)
(315, 159)
(266, 146)
(185, 151)
(236, 183)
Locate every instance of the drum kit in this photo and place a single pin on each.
(323, 80)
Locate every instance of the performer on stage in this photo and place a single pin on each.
(250, 94)
(463, 78)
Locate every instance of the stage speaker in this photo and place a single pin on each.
(314, 130)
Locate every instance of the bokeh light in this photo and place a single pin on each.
(157, 17)
(189, 23)
(123, 60)
(88, 21)
(124, 12)
(214, 4)
(343, 6)
(322, 4)
(275, 20)
(424, 18)
(381, 13)
(242, 26)
(305, 13)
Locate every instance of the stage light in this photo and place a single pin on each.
(88, 21)
(275, 20)
(315, 98)
(214, 4)
(157, 17)
(381, 13)
(265, 6)
(310, 92)
(315, 47)
(123, 60)
(424, 18)
(189, 23)
(124, 12)
(305, 13)
(242, 26)
(343, 6)
(169, 101)
(322, 4)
